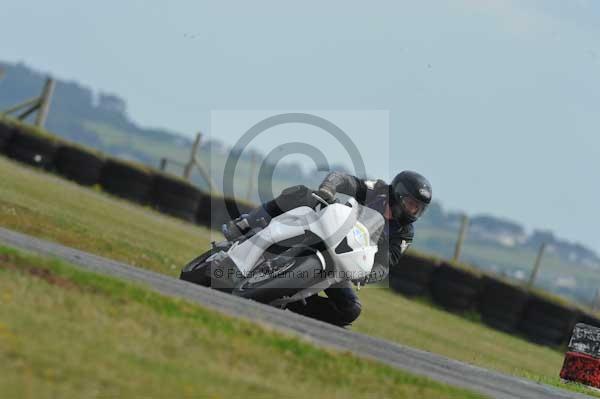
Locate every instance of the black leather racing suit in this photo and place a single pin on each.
(342, 306)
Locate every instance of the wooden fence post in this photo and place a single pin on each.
(212, 188)
(536, 267)
(188, 167)
(32, 104)
(596, 302)
(41, 104)
(44, 106)
(253, 162)
(461, 237)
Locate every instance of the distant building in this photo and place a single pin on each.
(501, 231)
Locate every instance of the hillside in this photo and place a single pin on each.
(100, 120)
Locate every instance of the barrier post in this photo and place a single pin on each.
(596, 301)
(188, 167)
(44, 106)
(253, 161)
(536, 267)
(461, 237)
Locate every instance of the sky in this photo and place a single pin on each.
(495, 101)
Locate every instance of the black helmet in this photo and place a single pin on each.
(410, 193)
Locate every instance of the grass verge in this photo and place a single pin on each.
(50, 207)
(70, 334)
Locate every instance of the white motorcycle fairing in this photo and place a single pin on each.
(332, 224)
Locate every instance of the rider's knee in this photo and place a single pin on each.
(350, 312)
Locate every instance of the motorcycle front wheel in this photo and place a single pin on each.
(197, 271)
(294, 275)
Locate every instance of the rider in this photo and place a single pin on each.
(401, 203)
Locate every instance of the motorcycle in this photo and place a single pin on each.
(297, 255)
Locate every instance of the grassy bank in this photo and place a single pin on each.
(46, 206)
(71, 334)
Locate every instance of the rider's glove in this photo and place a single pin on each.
(326, 193)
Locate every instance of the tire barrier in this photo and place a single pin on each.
(502, 304)
(6, 133)
(589, 319)
(126, 180)
(79, 164)
(203, 214)
(582, 361)
(175, 197)
(33, 149)
(547, 322)
(412, 275)
(214, 210)
(455, 288)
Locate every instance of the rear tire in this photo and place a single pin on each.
(285, 282)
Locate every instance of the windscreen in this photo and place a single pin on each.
(372, 220)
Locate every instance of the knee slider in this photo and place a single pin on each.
(351, 312)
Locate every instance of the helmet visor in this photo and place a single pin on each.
(411, 207)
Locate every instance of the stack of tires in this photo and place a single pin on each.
(547, 322)
(214, 210)
(589, 319)
(79, 164)
(412, 275)
(204, 209)
(502, 304)
(175, 197)
(6, 133)
(455, 288)
(126, 180)
(32, 148)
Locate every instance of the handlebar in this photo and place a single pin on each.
(321, 200)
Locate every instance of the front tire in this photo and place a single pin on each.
(197, 271)
(300, 273)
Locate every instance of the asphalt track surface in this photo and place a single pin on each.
(435, 367)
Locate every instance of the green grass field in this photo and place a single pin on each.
(65, 333)
(43, 205)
